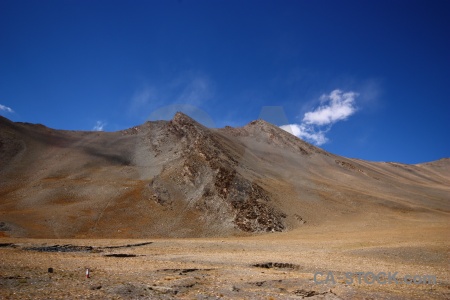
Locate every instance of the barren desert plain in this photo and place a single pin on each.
(174, 210)
(270, 266)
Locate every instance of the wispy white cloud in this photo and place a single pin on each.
(188, 88)
(334, 107)
(6, 108)
(194, 90)
(99, 126)
(143, 98)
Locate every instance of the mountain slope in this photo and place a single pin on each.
(178, 178)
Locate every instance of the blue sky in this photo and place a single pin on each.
(363, 79)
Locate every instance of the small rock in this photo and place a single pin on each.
(95, 287)
(164, 289)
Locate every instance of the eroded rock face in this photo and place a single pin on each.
(250, 202)
(207, 174)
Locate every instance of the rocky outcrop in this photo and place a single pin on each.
(207, 174)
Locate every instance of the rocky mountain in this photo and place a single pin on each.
(178, 178)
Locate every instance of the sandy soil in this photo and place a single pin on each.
(270, 266)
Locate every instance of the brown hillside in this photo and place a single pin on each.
(180, 179)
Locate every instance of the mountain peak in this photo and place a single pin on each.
(210, 182)
(261, 124)
(182, 118)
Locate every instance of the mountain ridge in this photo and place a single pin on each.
(178, 178)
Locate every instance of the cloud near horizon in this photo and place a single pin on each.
(336, 106)
(6, 108)
(99, 126)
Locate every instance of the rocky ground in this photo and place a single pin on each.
(270, 266)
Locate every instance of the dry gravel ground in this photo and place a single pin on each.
(224, 268)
